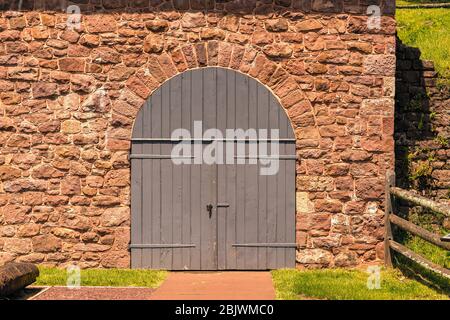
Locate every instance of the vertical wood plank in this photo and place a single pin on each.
(231, 170)
(146, 187)
(136, 200)
(290, 206)
(196, 204)
(177, 183)
(263, 123)
(222, 195)
(251, 183)
(272, 196)
(242, 101)
(156, 213)
(186, 173)
(209, 179)
(166, 183)
(281, 191)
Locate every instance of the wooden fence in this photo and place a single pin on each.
(393, 192)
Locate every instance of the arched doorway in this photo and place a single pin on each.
(212, 215)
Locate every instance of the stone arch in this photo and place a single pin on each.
(243, 59)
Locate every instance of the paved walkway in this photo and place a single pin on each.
(216, 285)
(93, 293)
(178, 286)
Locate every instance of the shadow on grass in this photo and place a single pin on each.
(415, 271)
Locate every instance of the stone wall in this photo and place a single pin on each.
(422, 130)
(69, 99)
(422, 133)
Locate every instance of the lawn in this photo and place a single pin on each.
(417, 2)
(428, 30)
(430, 251)
(103, 277)
(340, 284)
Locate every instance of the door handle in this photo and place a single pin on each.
(209, 207)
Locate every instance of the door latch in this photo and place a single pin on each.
(209, 207)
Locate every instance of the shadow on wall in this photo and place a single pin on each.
(422, 133)
(422, 150)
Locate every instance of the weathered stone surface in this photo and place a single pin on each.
(380, 65)
(157, 25)
(17, 246)
(65, 233)
(193, 20)
(46, 172)
(91, 247)
(346, 259)
(9, 173)
(43, 89)
(153, 43)
(71, 185)
(313, 257)
(46, 243)
(277, 25)
(28, 230)
(6, 257)
(308, 25)
(114, 217)
(278, 50)
(100, 23)
(71, 126)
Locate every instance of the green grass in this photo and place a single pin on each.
(427, 250)
(430, 251)
(340, 284)
(103, 277)
(428, 30)
(412, 2)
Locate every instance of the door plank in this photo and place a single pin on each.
(156, 213)
(222, 195)
(272, 197)
(196, 204)
(147, 181)
(251, 182)
(263, 123)
(281, 196)
(166, 184)
(242, 101)
(209, 179)
(186, 173)
(177, 183)
(136, 200)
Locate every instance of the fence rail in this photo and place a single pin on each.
(392, 218)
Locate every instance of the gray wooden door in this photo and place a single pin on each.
(201, 216)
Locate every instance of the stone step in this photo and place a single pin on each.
(16, 276)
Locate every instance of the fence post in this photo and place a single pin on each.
(390, 182)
